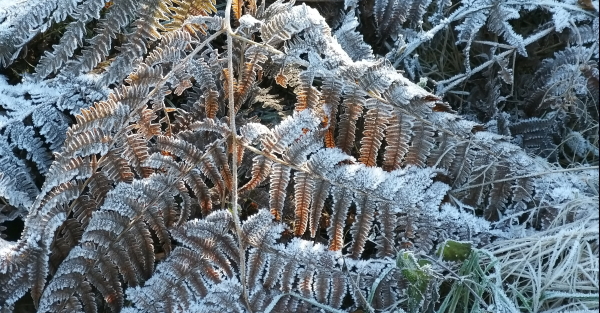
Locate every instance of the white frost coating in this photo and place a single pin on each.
(580, 145)
(114, 198)
(302, 147)
(561, 18)
(433, 197)
(562, 194)
(13, 195)
(363, 178)
(293, 127)
(21, 20)
(449, 212)
(248, 21)
(414, 185)
(324, 160)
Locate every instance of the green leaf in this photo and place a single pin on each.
(452, 250)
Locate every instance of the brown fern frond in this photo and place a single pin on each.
(128, 267)
(196, 182)
(239, 153)
(185, 8)
(220, 160)
(386, 239)
(331, 91)
(277, 29)
(353, 105)
(461, 166)
(143, 77)
(288, 275)
(251, 7)
(38, 271)
(499, 193)
(339, 287)
(303, 192)
(209, 125)
(180, 148)
(68, 235)
(100, 115)
(342, 198)
(274, 269)
(318, 202)
(281, 79)
(407, 225)
(248, 78)
(365, 213)
(208, 168)
(135, 151)
(145, 127)
(116, 167)
(329, 139)
(421, 144)
(83, 208)
(182, 86)
(256, 262)
(280, 177)
(261, 168)
(99, 186)
(196, 236)
(211, 103)
(390, 14)
(482, 172)
(307, 96)
(64, 170)
(61, 194)
(397, 137)
(522, 189)
(444, 153)
(85, 143)
(226, 78)
(376, 121)
(236, 7)
(321, 285)
(185, 211)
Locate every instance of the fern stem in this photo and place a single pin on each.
(234, 161)
(254, 43)
(527, 176)
(557, 4)
(327, 308)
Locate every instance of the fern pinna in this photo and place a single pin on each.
(136, 212)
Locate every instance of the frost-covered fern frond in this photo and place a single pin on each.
(473, 16)
(21, 20)
(19, 27)
(33, 126)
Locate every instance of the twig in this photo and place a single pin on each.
(271, 306)
(453, 81)
(460, 13)
(234, 161)
(527, 176)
